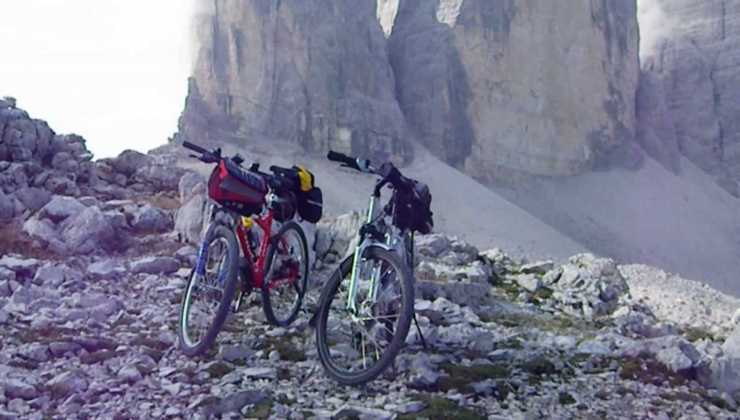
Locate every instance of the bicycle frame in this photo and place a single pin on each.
(359, 250)
(259, 260)
(265, 223)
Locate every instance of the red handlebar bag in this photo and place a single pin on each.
(236, 189)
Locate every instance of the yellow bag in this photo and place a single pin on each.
(306, 179)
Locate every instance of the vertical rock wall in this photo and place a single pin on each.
(493, 87)
(690, 82)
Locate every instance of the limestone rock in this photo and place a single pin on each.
(33, 198)
(488, 86)
(60, 208)
(130, 161)
(322, 68)
(690, 79)
(590, 286)
(151, 219)
(155, 265)
(189, 219)
(7, 207)
(88, 232)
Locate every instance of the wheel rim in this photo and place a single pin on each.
(356, 343)
(286, 278)
(205, 293)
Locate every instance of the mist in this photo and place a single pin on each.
(655, 26)
(113, 71)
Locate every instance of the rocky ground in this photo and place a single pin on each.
(94, 257)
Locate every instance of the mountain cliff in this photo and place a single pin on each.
(690, 81)
(314, 73)
(491, 88)
(504, 87)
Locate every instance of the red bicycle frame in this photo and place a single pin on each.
(258, 261)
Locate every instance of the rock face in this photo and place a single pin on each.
(492, 87)
(689, 85)
(518, 86)
(309, 72)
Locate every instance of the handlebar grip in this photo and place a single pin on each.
(342, 158)
(280, 170)
(194, 147)
(338, 157)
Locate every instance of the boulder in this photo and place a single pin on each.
(53, 275)
(88, 232)
(16, 388)
(62, 184)
(105, 270)
(130, 161)
(44, 231)
(161, 177)
(13, 178)
(23, 267)
(20, 138)
(33, 198)
(590, 286)
(336, 238)
(60, 208)
(151, 219)
(155, 265)
(7, 206)
(189, 219)
(191, 184)
(68, 383)
(63, 161)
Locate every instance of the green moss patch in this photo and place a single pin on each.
(287, 347)
(261, 411)
(565, 398)
(461, 377)
(649, 371)
(441, 408)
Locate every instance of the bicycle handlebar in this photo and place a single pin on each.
(194, 147)
(206, 156)
(387, 171)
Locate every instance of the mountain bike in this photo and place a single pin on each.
(239, 251)
(366, 307)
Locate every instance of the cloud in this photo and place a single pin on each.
(655, 26)
(114, 71)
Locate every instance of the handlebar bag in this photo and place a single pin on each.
(413, 209)
(311, 205)
(310, 197)
(305, 178)
(284, 207)
(238, 190)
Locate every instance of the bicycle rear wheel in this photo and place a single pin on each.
(286, 275)
(355, 348)
(208, 297)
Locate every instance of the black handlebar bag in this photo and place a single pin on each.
(413, 209)
(310, 197)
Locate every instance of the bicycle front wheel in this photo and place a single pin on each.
(356, 345)
(209, 294)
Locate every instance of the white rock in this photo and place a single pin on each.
(529, 282)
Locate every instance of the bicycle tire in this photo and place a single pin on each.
(214, 232)
(401, 331)
(267, 305)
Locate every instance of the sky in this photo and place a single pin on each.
(113, 71)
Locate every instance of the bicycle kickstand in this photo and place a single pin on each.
(418, 329)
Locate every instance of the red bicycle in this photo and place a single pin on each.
(244, 206)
